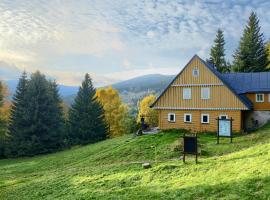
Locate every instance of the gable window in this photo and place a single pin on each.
(205, 93)
(186, 93)
(259, 97)
(195, 72)
(187, 118)
(223, 116)
(205, 118)
(171, 117)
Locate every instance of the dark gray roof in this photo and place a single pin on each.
(248, 82)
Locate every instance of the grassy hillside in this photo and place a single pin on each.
(112, 170)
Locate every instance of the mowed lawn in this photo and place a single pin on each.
(112, 170)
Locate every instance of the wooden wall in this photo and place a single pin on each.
(259, 105)
(220, 95)
(196, 124)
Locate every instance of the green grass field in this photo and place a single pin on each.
(112, 170)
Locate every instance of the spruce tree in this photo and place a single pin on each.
(57, 118)
(1, 95)
(18, 121)
(217, 54)
(2, 123)
(86, 116)
(251, 55)
(37, 127)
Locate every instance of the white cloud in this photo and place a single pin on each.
(34, 34)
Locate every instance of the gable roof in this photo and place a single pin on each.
(248, 82)
(242, 98)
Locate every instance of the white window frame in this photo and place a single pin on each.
(259, 101)
(169, 117)
(190, 116)
(193, 72)
(208, 118)
(223, 115)
(185, 96)
(203, 90)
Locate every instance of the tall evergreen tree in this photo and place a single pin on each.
(2, 123)
(217, 54)
(251, 55)
(18, 120)
(1, 95)
(41, 118)
(86, 116)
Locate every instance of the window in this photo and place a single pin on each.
(171, 117)
(187, 118)
(205, 118)
(186, 93)
(259, 97)
(205, 93)
(195, 72)
(223, 116)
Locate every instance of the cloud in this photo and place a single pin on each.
(121, 34)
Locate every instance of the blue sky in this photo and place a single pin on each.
(116, 39)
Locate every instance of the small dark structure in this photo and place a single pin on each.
(190, 146)
(224, 128)
(144, 126)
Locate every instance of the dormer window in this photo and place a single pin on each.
(195, 72)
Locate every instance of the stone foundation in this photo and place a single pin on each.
(255, 119)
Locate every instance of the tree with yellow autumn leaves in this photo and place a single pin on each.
(116, 112)
(150, 115)
(4, 115)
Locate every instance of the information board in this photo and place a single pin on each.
(190, 146)
(225, 128)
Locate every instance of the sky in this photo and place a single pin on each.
(115, 40)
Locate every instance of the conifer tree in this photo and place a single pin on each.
(217, 54)
(36, 121)
(18, 120)
(2, 123)
(1, 95)
(251, 55)
(86, 116)
(57, 118)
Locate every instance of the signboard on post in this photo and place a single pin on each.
(224, 128)
(190, 146)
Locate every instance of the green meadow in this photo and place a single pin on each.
(112, 169)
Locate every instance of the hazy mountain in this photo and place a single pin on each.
(130, 90)
(154, 82)
(63, 89)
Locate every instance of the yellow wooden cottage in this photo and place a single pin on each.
(199, 95)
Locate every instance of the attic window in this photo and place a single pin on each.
(195, 72)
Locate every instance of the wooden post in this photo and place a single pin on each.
(231, 130)
(218, 130)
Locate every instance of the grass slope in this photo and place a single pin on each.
(112, 170)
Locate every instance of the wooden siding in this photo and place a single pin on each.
(220, 95)
(196, 124)
(259, 105)
(205, 75)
